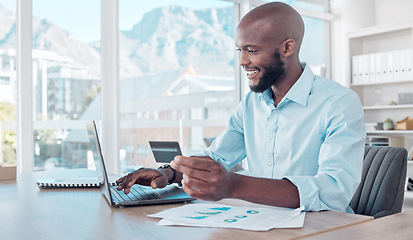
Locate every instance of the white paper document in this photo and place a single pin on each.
(224, 216)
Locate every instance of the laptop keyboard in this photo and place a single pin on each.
(136, 193)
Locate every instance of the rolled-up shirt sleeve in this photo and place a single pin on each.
(340, 158)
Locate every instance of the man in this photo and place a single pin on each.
(303, 135)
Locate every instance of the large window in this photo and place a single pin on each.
(66, 80)
(176, 74)
(7, 82)
(314, 50)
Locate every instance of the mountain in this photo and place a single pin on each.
(48, 36)
(7, 26)
(175, 37)
(166, 39)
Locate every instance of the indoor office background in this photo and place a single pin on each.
(164, 70)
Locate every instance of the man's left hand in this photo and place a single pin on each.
(204, 178)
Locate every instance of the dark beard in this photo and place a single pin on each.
(272, 72)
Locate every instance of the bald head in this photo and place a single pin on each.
(278, 21)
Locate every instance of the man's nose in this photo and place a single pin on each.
(244, 59)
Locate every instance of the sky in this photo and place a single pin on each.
(82, 17)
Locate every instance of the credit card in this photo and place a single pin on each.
(165, 151)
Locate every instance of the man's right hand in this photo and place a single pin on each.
(156, 178)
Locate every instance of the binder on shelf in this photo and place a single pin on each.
(372, 68)
(355, 69)
(408, 57)
(396, 65)
(365, 68)
(390, 67)
(383, 65)
(378, 67)
(403, 64)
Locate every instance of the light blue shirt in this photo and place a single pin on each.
(314, 138)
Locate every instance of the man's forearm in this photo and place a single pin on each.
(274, 192)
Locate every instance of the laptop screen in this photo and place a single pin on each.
(98, 158)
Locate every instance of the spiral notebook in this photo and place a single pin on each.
(69, 183)
(72, 178)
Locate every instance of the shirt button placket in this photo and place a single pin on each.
(272, 121)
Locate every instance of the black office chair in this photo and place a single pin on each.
(381, 189)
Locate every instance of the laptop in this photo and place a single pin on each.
(139, 195)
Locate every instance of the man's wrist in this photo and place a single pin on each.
(167, 166)
(234, 191)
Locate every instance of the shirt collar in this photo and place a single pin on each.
(266, 97)
(299, 92)
(301, 89)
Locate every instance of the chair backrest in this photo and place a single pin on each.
(381, 189)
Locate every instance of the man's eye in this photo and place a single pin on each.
(250, 51)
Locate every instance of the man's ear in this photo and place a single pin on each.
(288, 47)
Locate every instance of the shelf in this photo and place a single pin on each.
(401, 106)
(390, 133)
(380, 83)
(380, 42)
(376, 30)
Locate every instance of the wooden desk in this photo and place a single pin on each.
(398, 226)
(26, 212)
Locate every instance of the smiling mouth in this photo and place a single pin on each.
(251, 73)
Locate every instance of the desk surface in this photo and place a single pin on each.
(30, 213)
(397, 226)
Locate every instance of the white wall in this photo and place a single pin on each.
(351, 15)
(393, 11)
